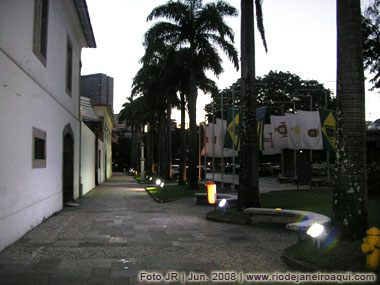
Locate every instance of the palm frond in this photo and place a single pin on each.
(228, 49)
(174, 11)
(260, 22)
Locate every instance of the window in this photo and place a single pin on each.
(40, 31)
(39, 149)
(69, 66)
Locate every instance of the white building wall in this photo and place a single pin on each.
(87, 159)
(101, 164)
(32, 95)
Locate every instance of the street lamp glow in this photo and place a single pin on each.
(162, 184)
(158, 182)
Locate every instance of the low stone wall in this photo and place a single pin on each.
(291, 219)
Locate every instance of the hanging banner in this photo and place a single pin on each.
(328, 126)
(311, 133)
(232, 132)
(294, 131)
(215, 135)
(260, 119)
(269, 147)
(280, 131)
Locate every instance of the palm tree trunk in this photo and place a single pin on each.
(168, 142)
(150, 154)
(182, 164)
(248, 194)
(350, 195)
(161, 144)
(134, 148)
(192, 180)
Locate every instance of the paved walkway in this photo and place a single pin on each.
(119, 231)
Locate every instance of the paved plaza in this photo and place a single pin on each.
(119, 231)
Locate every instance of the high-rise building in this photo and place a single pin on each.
(98, 87)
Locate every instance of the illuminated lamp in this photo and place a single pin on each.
(211, 192)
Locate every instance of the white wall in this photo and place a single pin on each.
(87, 159)
(32, 95)
(101, 176)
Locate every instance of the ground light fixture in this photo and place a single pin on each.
(317, 232)
(162, 184)
(222, 203)
(158, 182)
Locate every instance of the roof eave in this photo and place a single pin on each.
(84, 18)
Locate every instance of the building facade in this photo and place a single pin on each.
(99, 88)
(40, 58)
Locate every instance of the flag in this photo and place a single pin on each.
(215, 134)
(311, 134)
(280, 131)
(294, 131)
(269, 147)
(260, 119)
(232, 132)
(328, 126)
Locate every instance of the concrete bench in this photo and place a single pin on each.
(201, 199)
(294, 220)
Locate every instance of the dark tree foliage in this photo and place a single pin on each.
(371, 42)
(274, 90)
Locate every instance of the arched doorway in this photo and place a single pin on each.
(68, 165)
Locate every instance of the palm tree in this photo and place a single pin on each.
(196, 26)
(134, 113)
(249, 194)
(350, 195)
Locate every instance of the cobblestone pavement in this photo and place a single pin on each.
(118, 231)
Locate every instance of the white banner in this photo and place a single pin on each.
(311, 134)
(215, 134)
(280, 131)
(294, 131)
(269, 147)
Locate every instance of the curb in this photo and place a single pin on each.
(154, 197)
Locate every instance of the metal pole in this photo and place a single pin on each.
(142, 173)
(199, 156)
(213, 143)
(222, 141)
(233, 138)
(327, 151)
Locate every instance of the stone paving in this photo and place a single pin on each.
(119, 231)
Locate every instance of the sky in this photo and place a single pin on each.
(301, 38)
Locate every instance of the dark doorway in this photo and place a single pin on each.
(68, 168)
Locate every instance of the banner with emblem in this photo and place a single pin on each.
(294, 131)
(311, 133)
(328, 126)
(269, 147)
(280, 131)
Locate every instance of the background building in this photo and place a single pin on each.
(99, 88)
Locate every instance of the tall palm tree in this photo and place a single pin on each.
(350, 195)
(249, 194)
(196, 26)
(134, 113)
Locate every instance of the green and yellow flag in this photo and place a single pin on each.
(328, 126)
(233, 116)
(232, 136)
(260, 119)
